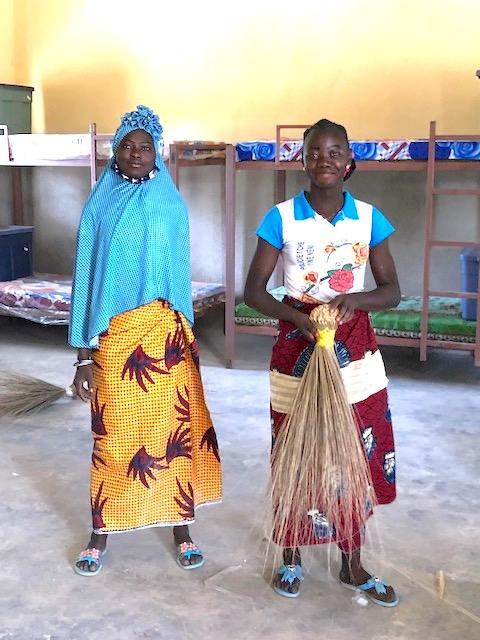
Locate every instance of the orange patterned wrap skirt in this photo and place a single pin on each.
(155, 455)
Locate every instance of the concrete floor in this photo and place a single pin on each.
(141, 593)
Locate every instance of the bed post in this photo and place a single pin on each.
(429, 204)
(229, 255)
(93, 153)
(18, 215)
(280, 185)
(476, 352)
(173, 164)
(280, 196)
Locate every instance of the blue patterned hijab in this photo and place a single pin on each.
(133, 243)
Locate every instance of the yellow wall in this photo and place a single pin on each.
(7, 50)
(222, 70)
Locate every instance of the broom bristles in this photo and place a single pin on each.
(318, 461)
(23, 395)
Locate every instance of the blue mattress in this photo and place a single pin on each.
(291, 150)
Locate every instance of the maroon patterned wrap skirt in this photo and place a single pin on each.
(353, 340)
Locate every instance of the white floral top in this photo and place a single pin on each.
(322, 259)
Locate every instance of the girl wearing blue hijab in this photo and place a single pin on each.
(155, 454)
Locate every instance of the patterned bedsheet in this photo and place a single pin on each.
(206, 295)
(193, 154)
(364, 150)
(45, 298)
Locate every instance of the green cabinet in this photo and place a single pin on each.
(16, 108)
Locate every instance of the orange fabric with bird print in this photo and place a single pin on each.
(155, 456)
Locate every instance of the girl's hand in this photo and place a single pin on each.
(305, 325)
(83, 382)
(345, 304)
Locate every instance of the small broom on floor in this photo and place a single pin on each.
(319, 465)
(23, 395)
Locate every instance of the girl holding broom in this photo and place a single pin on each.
(326, 237)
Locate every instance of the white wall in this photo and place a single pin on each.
(54, 199)
(58, 196)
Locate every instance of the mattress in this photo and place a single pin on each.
(28, 147)
(45, 298)
(444, 321)
(291, 150)
(206, 295)
(251, 317)
(193, 154)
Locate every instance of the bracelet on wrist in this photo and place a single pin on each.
(82, 363)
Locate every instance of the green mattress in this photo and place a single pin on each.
(251, 317)
(444, 322)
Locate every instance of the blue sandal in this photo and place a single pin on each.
(378, 587)
(187, 550)
(92, 556)
(289, 573)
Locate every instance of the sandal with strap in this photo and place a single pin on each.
(187, 550)
(289, 573)
(92, 556)
(372, 588)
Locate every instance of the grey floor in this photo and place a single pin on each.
(141, 593)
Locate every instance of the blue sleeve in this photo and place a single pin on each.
(271, 228)
(381, 228)
(83, 273)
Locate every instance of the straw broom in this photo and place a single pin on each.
(318, 461)
(22, 395)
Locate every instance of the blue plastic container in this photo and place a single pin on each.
(469, 264)
(15, 252)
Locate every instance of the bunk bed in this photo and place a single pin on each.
(201, 153)
(432, 320)
(20, 151)
(45, 298)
